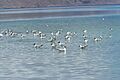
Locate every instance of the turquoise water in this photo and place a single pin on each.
(99, 61)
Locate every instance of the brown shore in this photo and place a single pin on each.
(52, 3)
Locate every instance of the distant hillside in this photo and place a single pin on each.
(46, 3)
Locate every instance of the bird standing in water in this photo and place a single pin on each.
(37, 45)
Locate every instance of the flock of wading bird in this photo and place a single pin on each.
(53, 38)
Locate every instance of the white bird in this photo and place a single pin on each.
(14, 34)
(1, 35)
(61, 44)
(22, 35)
(110, 35)
(47, 25)
(69, 33)
(85, 41)
(110, 29)
(62, 49)
(37, 46)
(84, 31)
(52, 39)
(57, 33)
(84, 36)
(96, 39)
(68, 38)
(27, 32)
(53, 45)
(83, 46)
(52, 33)
(42, 36)
(103, 19)
(34, 31)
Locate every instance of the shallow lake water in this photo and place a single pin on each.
(19, 60)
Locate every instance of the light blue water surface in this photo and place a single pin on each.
(100, 61)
